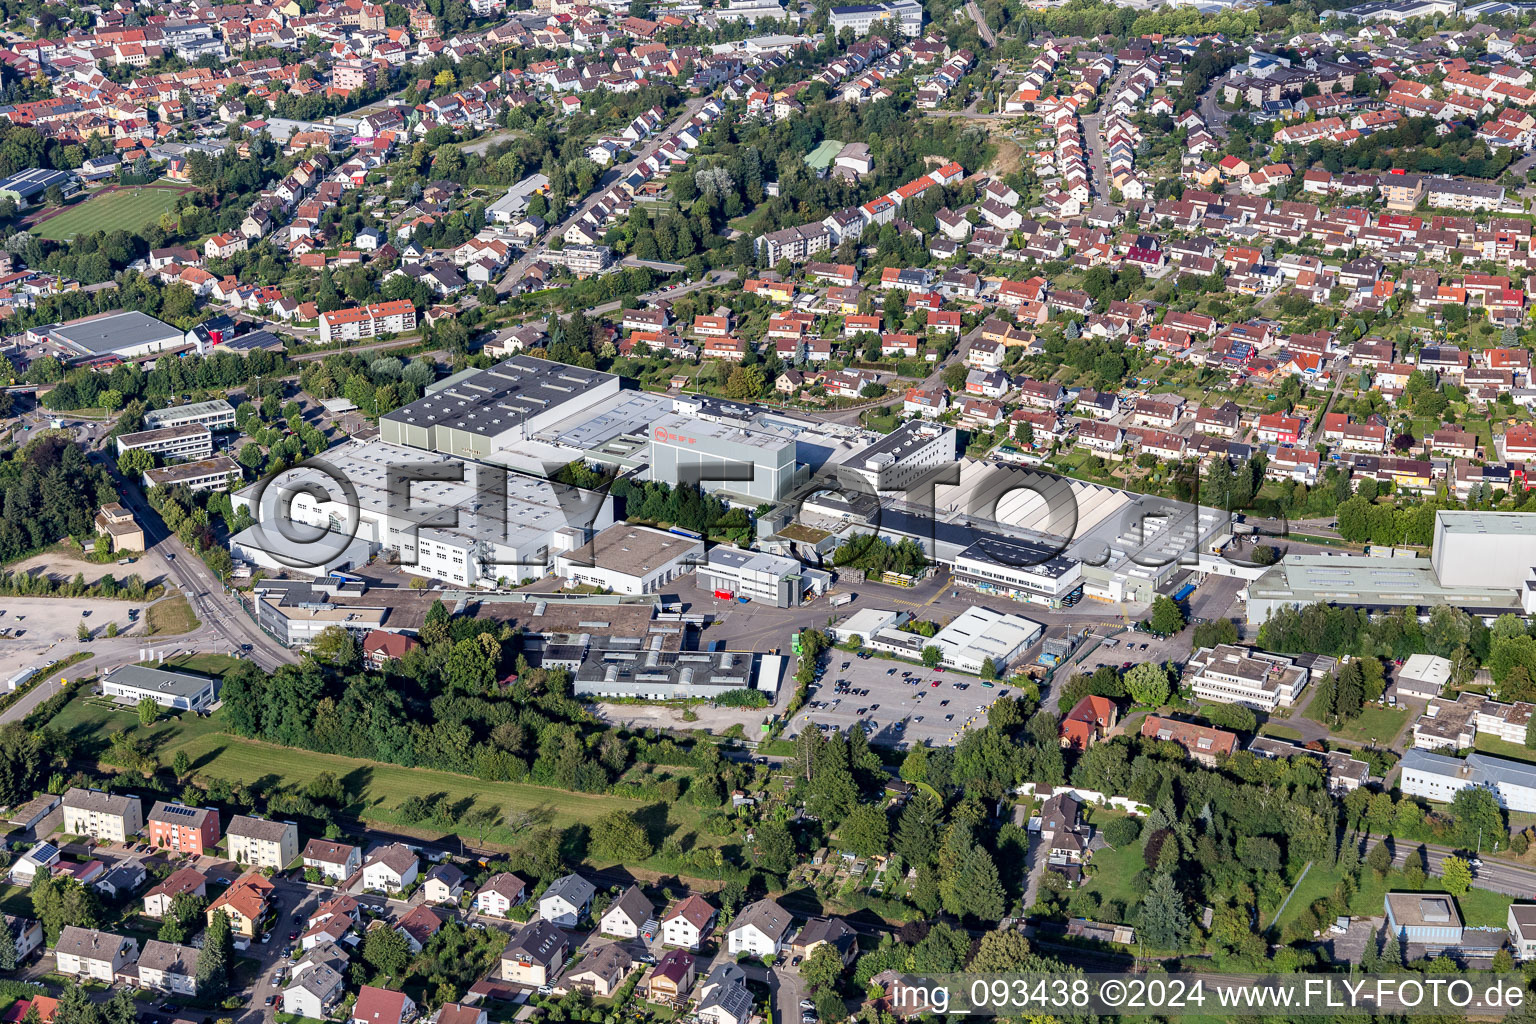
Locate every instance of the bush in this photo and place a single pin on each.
(1122, 832)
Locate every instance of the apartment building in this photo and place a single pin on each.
(106, 817)
(261, 843)
(368, 321)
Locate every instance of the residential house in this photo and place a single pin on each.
(444, 884)
(93, 955)
(500, 893)
(334, 861)
(687, 922)
(382, 1006)
(390, 868)
(534, 955)
(168, 967)
(602, 970)
(105, 817)
(245, 903)
(759, 929)
(567, 900)
(630, 916)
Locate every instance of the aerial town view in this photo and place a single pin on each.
(767, 511)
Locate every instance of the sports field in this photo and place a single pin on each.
(128, 208)
(820, 158)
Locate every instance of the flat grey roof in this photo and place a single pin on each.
(635, 550)
(898, 443)
(109, 332)
(169, 476)
(1010, 553)
(160, 417)
(1498, 523)
(163, 434)
(159, 680)
(1359, 579)
(489, 402)
(733, 433)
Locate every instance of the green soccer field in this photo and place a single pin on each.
(130, 208)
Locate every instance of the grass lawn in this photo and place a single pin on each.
(1374, 723)
(207, 664)
(172, 615)
(1491, 744)
(128, 209)
(1479, 907)
(374, 789)
(1279, 732)
(1114, 877)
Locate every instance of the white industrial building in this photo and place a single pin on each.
(629, 559)
(758, 576)
(129, 684)
(1020, 571)
(1440, 777)
(1228, 674)
(511, 206)
(188, 441)
(977, 634)
(126, 335)
(1484, 549)
(488, 414)
(215, 415)
(910, 455)
(905, 15)
(462, 522)
(750, 463)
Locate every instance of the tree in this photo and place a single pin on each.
(999, 952)
(1166, 618)
(1479, 819)
(148, 711)
(866, 831)
(775, 848)
(744, 383)
(931, 656)
(387, 951)
(1379, 860)
(213, 961)
(1148, 684)
(988, 668)
(975, 888)
(7, 947)
(1163, 923)
(822, 968)
(1456, 874)
(181, 765)
(619, 836)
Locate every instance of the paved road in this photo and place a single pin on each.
(1495, 875)
(1215, 118)
(479, 146)
(225, 625)
(538, 248)
(710, 280)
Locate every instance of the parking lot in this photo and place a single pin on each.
(38, 625)
(896, 702)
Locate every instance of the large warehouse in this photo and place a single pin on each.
(750, 464)
(628, 559)
(486, 414)
(126, 335)
(446, 529)
(1484, 549)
